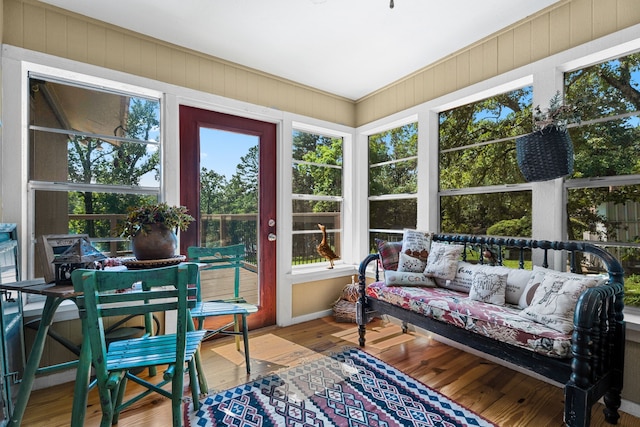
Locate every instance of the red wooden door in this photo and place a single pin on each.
(194, 123)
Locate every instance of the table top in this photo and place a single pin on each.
(39, 287)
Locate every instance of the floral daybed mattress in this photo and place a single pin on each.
(500, 322)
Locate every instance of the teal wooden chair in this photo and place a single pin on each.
(140, 292)
(215, 258)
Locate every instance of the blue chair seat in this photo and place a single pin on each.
(221, 308)
(150, 351)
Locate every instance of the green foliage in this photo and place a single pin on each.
(237, 195)
(317, 168)
(213, 198)
(467, 158)
(511, 227)
(610, 148)
(393, 169)
(476, 213)
(632, 290)
(392, 163)
(477, 145)
(140, 217)
(92, 160)
(557, 116)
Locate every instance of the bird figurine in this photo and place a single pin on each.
(489, 257)
(324, 249)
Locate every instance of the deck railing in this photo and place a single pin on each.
(218, 230)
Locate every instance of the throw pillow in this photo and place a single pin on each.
(488, 287)
(410, 264)
(442, 262)
(530, 290)
(389, 254)
(537, 275)
(416, 243)
(396, 278)
(463, 279)
(517, 281)
(554, 302)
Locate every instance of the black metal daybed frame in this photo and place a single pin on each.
(598, 342)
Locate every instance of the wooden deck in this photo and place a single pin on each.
(218, 284)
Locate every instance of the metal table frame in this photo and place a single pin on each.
(55, 295)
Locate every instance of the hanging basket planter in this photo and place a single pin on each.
(545, 155)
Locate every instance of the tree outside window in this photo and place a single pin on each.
(317, 194)
(92, 154)
(477, 159)
(604, 191)
(393, 183)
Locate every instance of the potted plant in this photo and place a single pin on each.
(152, 228)
(547, 152)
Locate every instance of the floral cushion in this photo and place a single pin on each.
(502, 323)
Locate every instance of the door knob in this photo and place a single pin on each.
(271, 237)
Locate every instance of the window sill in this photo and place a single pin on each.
(632, 321)
(320, 272)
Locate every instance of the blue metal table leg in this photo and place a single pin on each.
(50, 306)
(81, 387)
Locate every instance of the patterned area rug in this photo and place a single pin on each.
(351, 388)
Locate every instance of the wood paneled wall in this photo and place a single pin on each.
(36, 26)
(567, 24)
(40, 27)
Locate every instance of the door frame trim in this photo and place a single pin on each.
(196, 118)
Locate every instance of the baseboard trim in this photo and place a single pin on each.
(51, 380)
(630, 408)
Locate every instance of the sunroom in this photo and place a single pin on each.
(97, 117)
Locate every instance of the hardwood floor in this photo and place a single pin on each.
(503, 396)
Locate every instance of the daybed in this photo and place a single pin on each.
(522, 323)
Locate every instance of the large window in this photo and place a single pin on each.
(477, 161)
(92, 153)
(604, 191)
(317, 194)
(393, 183)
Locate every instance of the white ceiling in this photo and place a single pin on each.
(346, 47)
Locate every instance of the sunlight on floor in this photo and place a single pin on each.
(379, 337)
(269, 349)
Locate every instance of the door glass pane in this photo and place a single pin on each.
(229, 208)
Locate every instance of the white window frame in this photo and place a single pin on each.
(21, 204)
(347, 142)
(365, 133)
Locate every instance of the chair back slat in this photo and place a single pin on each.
(169, 296)
(105, 311)
(219, 257)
